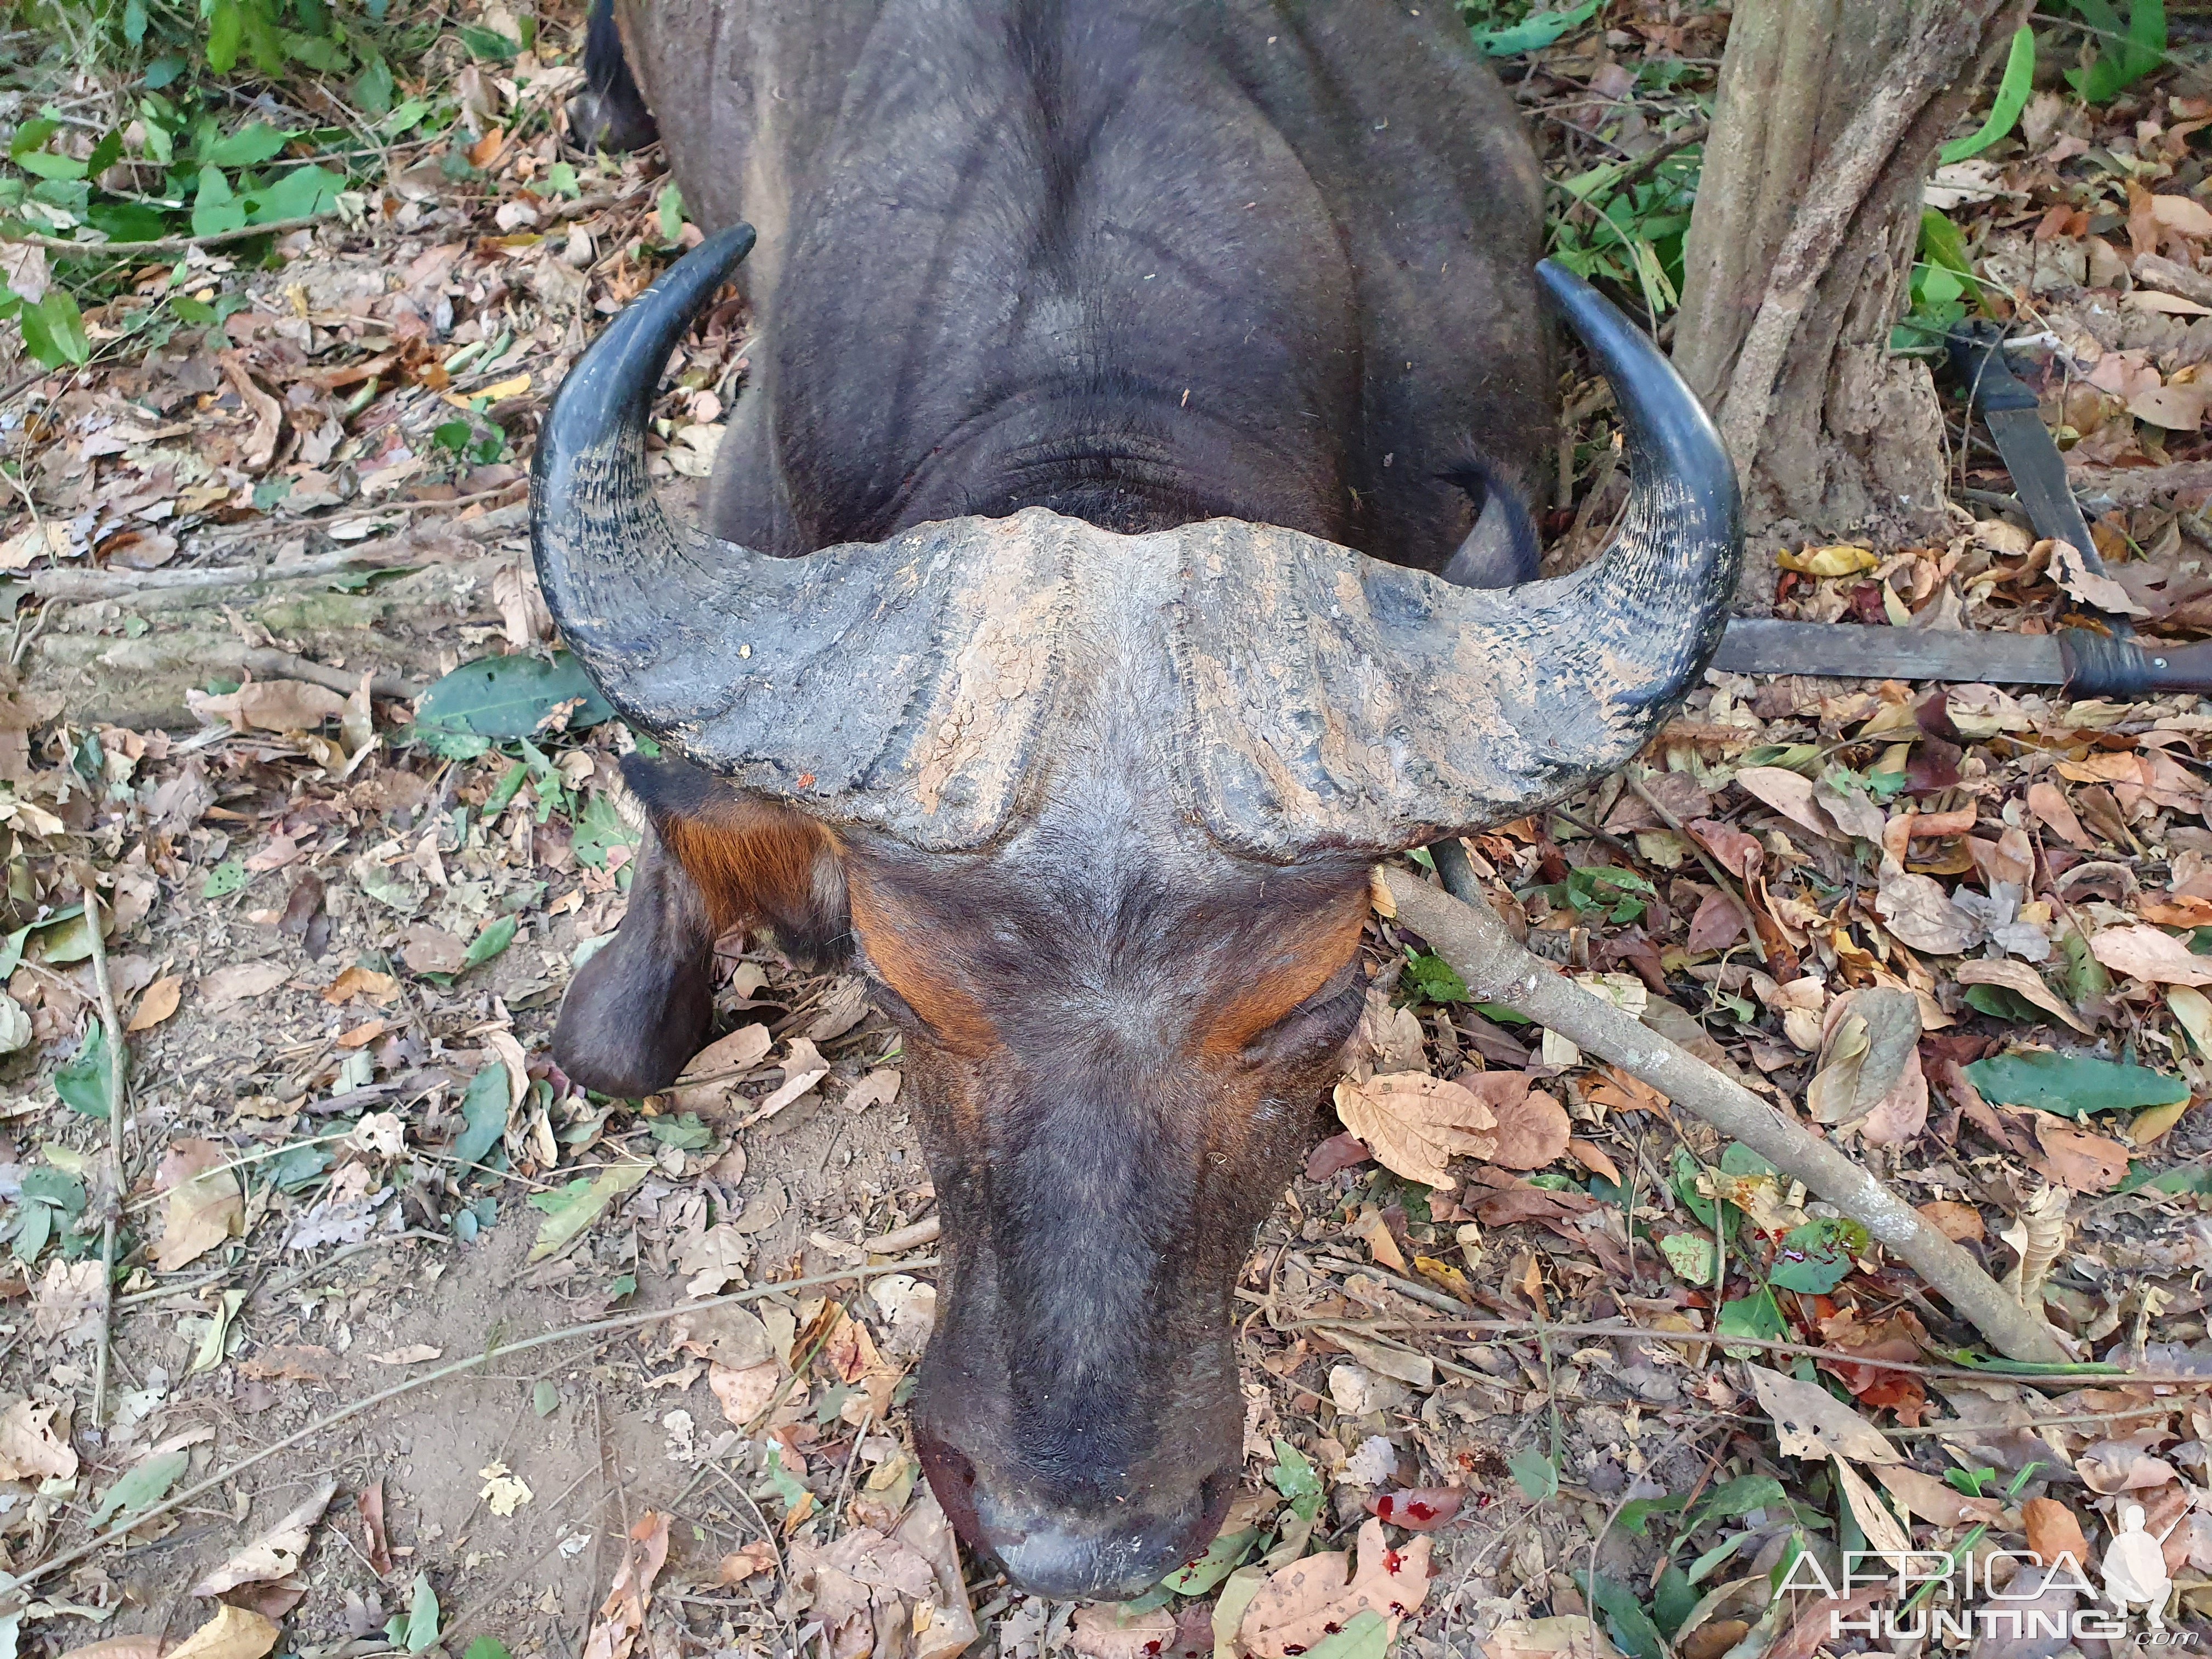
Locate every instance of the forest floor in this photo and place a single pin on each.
(278, 498)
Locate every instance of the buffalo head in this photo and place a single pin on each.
(1094, 815)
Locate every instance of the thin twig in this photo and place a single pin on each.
(323, 1425)
(118, 1060)
(162, 244)
(2114, 1375)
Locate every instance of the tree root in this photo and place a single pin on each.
(1469, 936)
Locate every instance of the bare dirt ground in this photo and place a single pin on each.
(1959, 931)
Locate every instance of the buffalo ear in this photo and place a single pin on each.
(638, 1010)
(755, 863)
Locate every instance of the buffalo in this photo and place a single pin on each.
(1120, 544)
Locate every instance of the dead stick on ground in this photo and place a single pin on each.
(321, 1425)
(162, 244)
(1471, 938)
(118, 1060)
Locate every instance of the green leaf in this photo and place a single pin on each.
(44, 166)
(1739, 1496)
(1738, 1159)
(489, 43)
(2125, 59)
(142, 1487)
(1223, 1557)
(53, 330)
(1535, 34)
(127, 221)
(570, 1209)
(226, 34)
(300, 194)
(600, 827)
(512, 697)
(544, 1398)
(496, 938)
(226, 878)
(373, 89)
(483, 1114)
(84, 1080)
(1816, 1258)
(2005, 110)
(1637, 1513)
(1293, 1476)
(1434, 980)
(669, 210)
(490, 1647)
(1365, 1634)
(297, 1167)
(1632, 1626)
(250, 146)
(1693, 1257)
(686, 1133)
(2072, 1086)
(1753, 1315)
(215, 208)
(58, 1188)
(1534, 1472)
(1673, 1600)
(2000, 1002)
(32, 1232)
(422, 1627)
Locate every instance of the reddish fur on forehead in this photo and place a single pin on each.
(1304, 956)
(899, 943)
(752, 859)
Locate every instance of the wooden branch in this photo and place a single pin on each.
(1472, 939)
(162, 244)
(286, 665)
(2138, 486)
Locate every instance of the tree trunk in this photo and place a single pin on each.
(1801, 249)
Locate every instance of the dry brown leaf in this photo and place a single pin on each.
(744, 1395)
(908, 1580)
(1883, 1530)
(2146, 953)
(1792, 796)
(2048, 802)
(1415, 1124)
(378, 1547)
(1960, 1222)
(1532, 1128)
(2182, 213)
(2053, 1532)
(379, 988)
(2019, 978)
(1920, 914)
(1870, 1066)
(1569, 1636)
(1593, 1157)
(205, 1206)
(1933, 1500)
(232, 1633)
(241, 981)
(2079, 1159)
(31, 1448)
(1810, 1422)
(622, 1615)
(755, 1557)
(709, 1081)
(269, 706)
(1103, 1631)
(156, 1003)
(1303, 1604)
(276, 1553)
